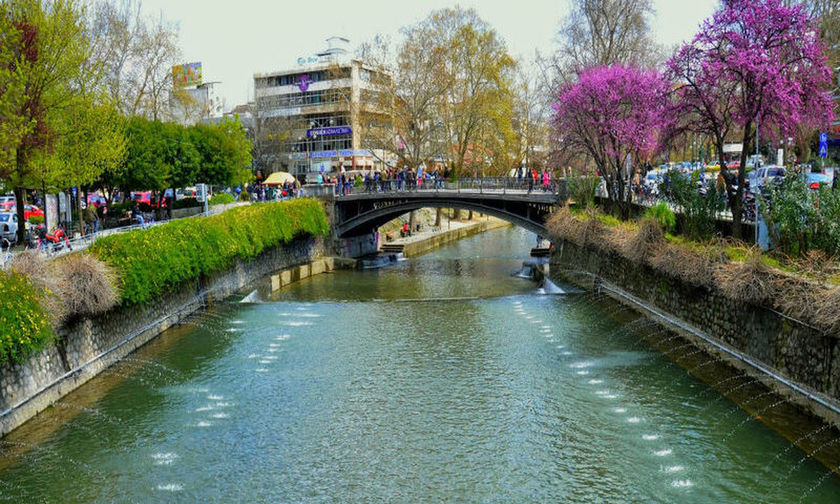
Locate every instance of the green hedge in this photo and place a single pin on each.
(221, 199)
(24, 325)
(151, 261)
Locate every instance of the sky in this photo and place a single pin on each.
(235, 39)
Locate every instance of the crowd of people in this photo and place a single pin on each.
(409, 179)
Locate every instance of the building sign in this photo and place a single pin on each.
(319, 132)
(342, 153)
(188, 74)
(303, 82)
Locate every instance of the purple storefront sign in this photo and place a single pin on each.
(337, 130)
(303, 82)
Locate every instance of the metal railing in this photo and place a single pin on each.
(483, 185)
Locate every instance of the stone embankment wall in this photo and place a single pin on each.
(87, 347)
(433, 240)
(806, 357)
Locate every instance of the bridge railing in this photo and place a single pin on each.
(489, 185)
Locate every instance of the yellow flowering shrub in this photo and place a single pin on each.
(24, 325)
(156, 260)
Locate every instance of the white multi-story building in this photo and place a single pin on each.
(308, 118)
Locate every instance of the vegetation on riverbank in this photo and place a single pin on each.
(150, 262)
(801, 289)
(24, 321)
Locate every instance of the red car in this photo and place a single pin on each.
(32, 210)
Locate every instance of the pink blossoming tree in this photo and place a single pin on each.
(616, 114)
(753, 60)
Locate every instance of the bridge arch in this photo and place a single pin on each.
(366, 219)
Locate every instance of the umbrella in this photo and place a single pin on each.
(279, 178)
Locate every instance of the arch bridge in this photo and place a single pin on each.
(362, 213)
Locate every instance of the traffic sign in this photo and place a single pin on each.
(823, 144)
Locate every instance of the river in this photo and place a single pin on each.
(444, 378)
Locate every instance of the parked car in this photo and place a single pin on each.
(96, 200)
(816, 176)
(765, 174)
(32, 211)
(7, 203)
(8, 226)
(142, 197)
(145, 197)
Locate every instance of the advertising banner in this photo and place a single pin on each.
(188, 74)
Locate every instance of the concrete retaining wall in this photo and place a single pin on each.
(754, 339)
(89, 346)
(440, 238)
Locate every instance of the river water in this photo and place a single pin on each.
(444, 378)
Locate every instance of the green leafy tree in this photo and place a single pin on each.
(146, 163)
(53, 70)
(225, 152)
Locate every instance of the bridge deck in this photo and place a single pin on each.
(449, 194)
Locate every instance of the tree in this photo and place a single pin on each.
(14, 125)
(603, 32)
(402, 118)
(767, 62)
(58, 80)
(616, 114)
(224, 152)
(476, 60)
(137, 54)
(148, 161)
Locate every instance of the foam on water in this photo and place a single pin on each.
(296, 323)
(281, 337)
(204, 424)
(673, 469)
(580, 365)
(223, 404)
(682, 483)
(204, 408)
(663, 453)
(583, 372)
(620, 410)
(650, 437)
(264, 361)
(232, 329)
(165, 458)
(215, 397)
(261, 370)
(634, 419)
(170, 487)
(237, 321)
(566, 353)
(253, 356)
(220, 415)
(595, 382)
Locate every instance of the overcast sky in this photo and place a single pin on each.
(235, 39)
